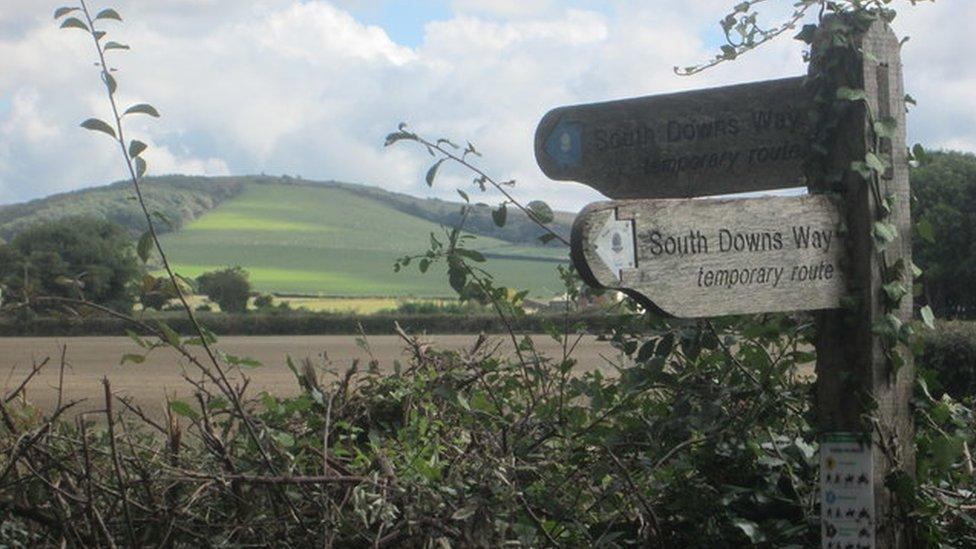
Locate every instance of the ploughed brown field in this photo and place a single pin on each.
(89, 359)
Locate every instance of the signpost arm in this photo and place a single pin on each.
(860, 389)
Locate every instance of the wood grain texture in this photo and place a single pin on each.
(700, 258)
(747, 137)
(854, 378)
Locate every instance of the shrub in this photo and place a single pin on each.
(229, 288)
(950, 353)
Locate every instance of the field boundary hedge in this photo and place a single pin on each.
(254, 324)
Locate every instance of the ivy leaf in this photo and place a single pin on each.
(500, 215)
(432, 172)
(928, 317)
(140, 167)
(884, 234)
(850, 94)
(925, 231)
(97, 125)
(875, 163)
(144, 248)
(862, 169)
(108, 13)
(61, 12)
(115, 46)
(886, 128)
(895, 291)
(136, 147)
(142, 108)
(74, 23)
(183, 409)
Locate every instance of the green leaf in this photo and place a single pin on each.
(875, 163)
(136, 147)
(918, 152)
(97, 125)
(284, 439)
(144, 248)
(541, 211)
(547, 238)
(895, 291)
(884, 233)
(399, 136)
(133, 358)
(74, 23)
(142, 108)
(750, 529)
(432, 172)
(925, 231)
(181, 408)
(61, 12)
(162, 217)
(850, 94)
(114, 46)
(140, 167)
(108, 13)
(928, 317)
(807, 34)
(862, 169)
(470, 254)
(464, 195)
(886, 128)
(169, 335)
(500, 215)
(110, 82)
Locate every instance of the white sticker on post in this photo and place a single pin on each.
(846, 492)
(615, 245)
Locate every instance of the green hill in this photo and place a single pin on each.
(307, 237)
(333, 240)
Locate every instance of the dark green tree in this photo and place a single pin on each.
(945, 247)
(77, 257)
(229, 288)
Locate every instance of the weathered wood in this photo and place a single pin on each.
(858, 389)
(698, 258)
(748, 137)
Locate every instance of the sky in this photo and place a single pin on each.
(311, 88)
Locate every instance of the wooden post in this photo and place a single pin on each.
(858, 388)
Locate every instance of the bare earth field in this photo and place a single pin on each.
(89, 359)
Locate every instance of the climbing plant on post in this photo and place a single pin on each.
(865, 373)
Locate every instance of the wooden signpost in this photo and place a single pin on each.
(698, 258)
(750, 137)
(711, 257)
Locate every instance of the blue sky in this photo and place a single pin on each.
(312, 87)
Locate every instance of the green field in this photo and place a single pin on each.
(330, 241)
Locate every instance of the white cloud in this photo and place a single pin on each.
(279, 86)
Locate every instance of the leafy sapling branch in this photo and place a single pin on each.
(80, 17)
(444, 150)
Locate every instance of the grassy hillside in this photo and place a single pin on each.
(185, 198)
(331, 240)
(180, 198)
